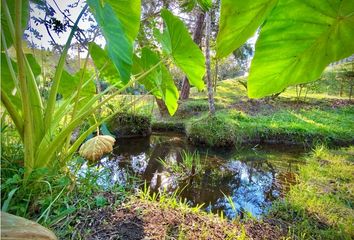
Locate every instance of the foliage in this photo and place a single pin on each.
(320, 205)
(46, 124)
(119, 22)
(175, 40)
(159, 81)
(189, 5)
(287, 52)
(239, 20)
(107, 70)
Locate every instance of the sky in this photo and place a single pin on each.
(61, 38)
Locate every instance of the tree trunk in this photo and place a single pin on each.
(197, 37)
(207, 56)
(216, 74)
(162, 107)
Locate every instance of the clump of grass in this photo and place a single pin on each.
(195, 106)
(321, 205)
(218, 130)
(168, 200)
(189, 166)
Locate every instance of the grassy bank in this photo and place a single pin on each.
(318, 118)
(229, 127)
(321, 205)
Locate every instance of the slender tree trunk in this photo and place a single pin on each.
(216, 74)
(197, 37)
(207, 56)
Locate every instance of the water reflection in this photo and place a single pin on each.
(253, 178)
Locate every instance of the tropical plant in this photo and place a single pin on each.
(297, 39)
(45, 125)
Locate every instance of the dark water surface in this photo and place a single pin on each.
(252, 176)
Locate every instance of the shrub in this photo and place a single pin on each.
(130, 125)
(216, 131)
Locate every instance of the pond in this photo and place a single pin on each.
(253, 177)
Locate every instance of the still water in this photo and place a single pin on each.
(252, 176)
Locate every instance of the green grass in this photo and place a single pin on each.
(321, 205)
(190, 165)
(228, 127)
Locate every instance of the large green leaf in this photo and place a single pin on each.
(119, 41)
(36, 69)
(178, 43)
(239, 20)
(189, 5)
(4, 23)
(299, 39)
(7, 82)
(103, 63)
(128, 12)
(159, 81)
(69, 84)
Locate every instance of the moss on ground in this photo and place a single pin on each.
(130, 125)
(321, 205)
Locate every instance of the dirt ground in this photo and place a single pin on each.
(141, 219)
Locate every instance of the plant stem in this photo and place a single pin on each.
(26, 107)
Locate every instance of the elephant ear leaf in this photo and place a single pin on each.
(104, 65)
(7, 81)
(239, 20)
(4, 23)
(119, 24)
(69, 84)
(177, 42)
(36, 69)
(159, 81)
(299, 39)
(128, 12)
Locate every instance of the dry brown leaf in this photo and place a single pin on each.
(94, 148)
